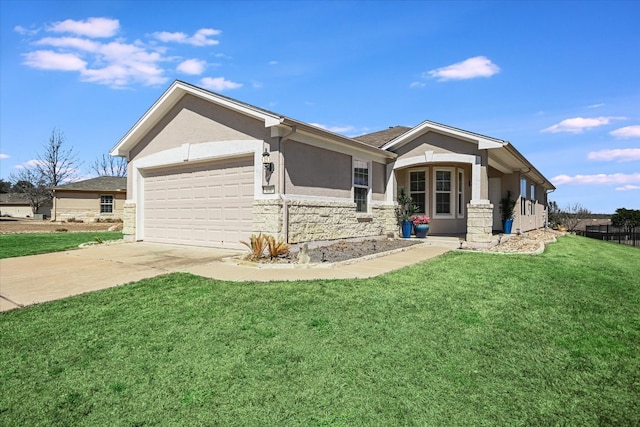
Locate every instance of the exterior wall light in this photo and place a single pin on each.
(266, 162)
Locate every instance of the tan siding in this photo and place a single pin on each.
(438, 143)
(378, 186)
(314, 171)
(193, 120)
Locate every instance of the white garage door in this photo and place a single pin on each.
(206, 204)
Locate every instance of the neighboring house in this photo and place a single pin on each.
(90, 200)
(17, 205)
(208, 170)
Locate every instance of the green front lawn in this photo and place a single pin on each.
(464, 339)
(13, 245)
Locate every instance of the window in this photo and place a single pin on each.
(523, 196)
(106, 204)
(460, 193)
(360, 185)
(532, 194)
(443, 192)
(417, 190)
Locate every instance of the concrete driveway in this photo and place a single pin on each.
(38, 278)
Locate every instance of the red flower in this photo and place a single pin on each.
(423, 219)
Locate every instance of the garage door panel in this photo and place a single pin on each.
(206, 204)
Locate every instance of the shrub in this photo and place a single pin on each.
(262, 244)
(257, 245)
(73, 219)
(61, 230)
(277, 248)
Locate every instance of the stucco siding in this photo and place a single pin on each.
(379, 184)
(438, 143)
(313, 171)
(193, 120)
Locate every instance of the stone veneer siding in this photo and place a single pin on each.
(129, 221)
(479, 222)
(84, 215)
(311, 220)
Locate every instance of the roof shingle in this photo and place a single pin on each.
(379, 138)
(101, 183)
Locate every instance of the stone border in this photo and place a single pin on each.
(268, 265)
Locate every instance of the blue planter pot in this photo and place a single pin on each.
(421, 230)
(407, 226)
(507, 225)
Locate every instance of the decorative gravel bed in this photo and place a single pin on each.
(345, 250)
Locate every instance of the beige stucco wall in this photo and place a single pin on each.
(438, 143)
(16, 211)
(379, 181)
(313, 171)
(193, 120)
(85, 205)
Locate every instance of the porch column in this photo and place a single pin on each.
(479, 210)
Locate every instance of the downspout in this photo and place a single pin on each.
(281, 179)
(546, 205)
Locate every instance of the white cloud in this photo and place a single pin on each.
(70, 42)
(31, 163)
(417, 84)
(627, 132)
(199, 38)
(192, 66)
(334, 129)
(219, 84)
(600, 179)
(50, 60)
(4, 156)
(273, 62)
(579, 124)
(595, 106)
(628, 187)
(92, 27)
(25, 31)
(117, 62)
(616, 155)
(478, 66)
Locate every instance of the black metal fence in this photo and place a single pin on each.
(610, 233)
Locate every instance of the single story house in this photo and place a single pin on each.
(17, 205)
(208, 170)
(89, 200)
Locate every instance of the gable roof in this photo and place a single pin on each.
(101, 183)
(271, 120)
(381, 137)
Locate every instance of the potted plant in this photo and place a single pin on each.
(404, 212)
(507, 206)
(421, 225)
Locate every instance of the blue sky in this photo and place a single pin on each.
(560, 80)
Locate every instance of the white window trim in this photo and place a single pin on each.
(460, 191)
(368, 187)
(452, 192)
(113, 203)
(426, 186)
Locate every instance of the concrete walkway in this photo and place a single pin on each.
(39, 278)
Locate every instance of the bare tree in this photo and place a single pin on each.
(29, 182)
(57, 164)
(110, 166)
(573, 215)
(54, 166)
